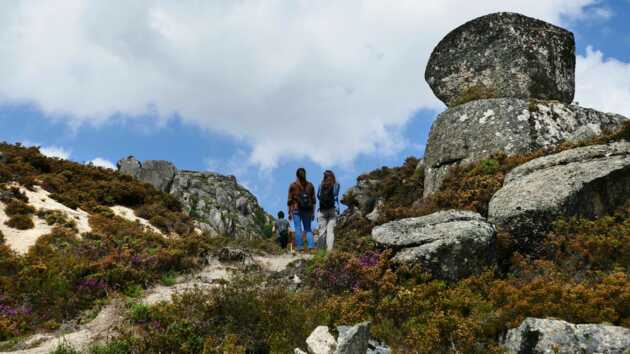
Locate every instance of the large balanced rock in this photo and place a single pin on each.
(587, 181)
(542, 336)
(218, 203)
(450, 244)
(474, 131)
(503, 55)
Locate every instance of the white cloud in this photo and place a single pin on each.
(101, 162)
(603, 83)
(325, 80)
(55, 151)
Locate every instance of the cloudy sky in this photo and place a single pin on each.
(259, 88)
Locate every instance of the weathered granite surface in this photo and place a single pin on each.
(503, 55)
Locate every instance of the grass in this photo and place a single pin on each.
(168, 279)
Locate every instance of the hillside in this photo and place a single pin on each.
(73, 235)
(511, 235)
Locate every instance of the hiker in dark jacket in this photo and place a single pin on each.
(281, 228)
(328, 195)
(301, 203)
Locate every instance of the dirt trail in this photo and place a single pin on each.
(104, 324)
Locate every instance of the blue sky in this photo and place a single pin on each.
(257, 90)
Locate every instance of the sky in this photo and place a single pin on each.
(258, 88)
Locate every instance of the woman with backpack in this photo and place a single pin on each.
(301, 203)
(328, 195)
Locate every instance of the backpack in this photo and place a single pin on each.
(304, 201)
(282, 227)
(326, 197)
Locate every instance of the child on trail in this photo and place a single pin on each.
(328, 195)
(281, 228)
(301, 203)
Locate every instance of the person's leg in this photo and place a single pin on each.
(330, 232)
(306, 222)
(286, 241)
(297, 224)
(321, 221)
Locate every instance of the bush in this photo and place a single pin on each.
(168, 279)
(18, 207)
(21, 222)
(235, 317)
(139, 313)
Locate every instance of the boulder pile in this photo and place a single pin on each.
(218, 203)
(508, 81)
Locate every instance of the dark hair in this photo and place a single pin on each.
(281, 214)
(297, 173)
(329, 178)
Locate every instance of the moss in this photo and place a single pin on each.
(473, 93)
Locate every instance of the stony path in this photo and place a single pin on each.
(104, 324)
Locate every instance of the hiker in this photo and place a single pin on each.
(301, 203)
(281, 228)
(328, 195)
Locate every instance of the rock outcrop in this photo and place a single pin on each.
(321, 341)
(158, 173)
(503, 55)
(542, 336)
(523, 72)
(218, 203)
(450, 244)
(587, 181)
(473, 131)
(351, 340)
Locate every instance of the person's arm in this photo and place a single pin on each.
(337, 187)
(290, 202)
(314, 201)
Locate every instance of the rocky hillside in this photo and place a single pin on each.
(512, 235)
(218, 203)
(515, 178)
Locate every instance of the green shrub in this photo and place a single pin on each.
(113, 347)
(21, 222)
(168, 279)
(18, 207)
(134, 291)
(65, 348)
(139, 313)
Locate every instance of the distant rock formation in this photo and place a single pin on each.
(220, 205)
(537, 335)
(508, 81)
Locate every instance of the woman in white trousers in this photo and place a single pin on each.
(328, 195)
